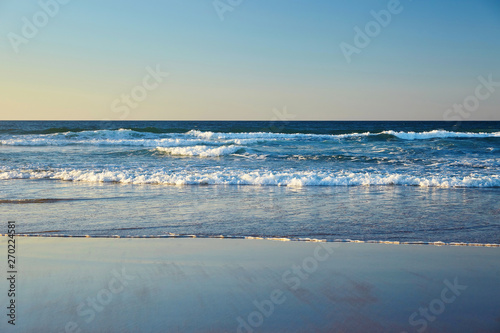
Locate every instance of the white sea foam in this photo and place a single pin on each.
(121, 137)
(102, 142)
(251, 156)
(269, 136)
(241, 177)
(401, 135)
(277, 239)
(200, 151)
(163, 142)
(126, 137)
(440, 134)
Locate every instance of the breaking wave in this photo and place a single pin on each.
(201, 151)
(440, 134)
(259, 178)
(127, 137)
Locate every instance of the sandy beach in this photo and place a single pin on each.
(234, 285)
(250, 166)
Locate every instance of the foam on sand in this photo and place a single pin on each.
(52, 233)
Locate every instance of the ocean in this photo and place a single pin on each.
(383, 181)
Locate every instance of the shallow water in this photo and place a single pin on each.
(401, 181)
(360, 212)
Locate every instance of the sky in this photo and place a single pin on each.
(249, 60)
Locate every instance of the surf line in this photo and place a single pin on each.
(282, 239)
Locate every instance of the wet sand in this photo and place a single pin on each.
(237, 285)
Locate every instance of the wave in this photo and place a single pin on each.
(128, 137)
(208, 135)
(384, 134)
(50, 233)
(259, 178)
(201, 151)
(440, 134)
(120, 137)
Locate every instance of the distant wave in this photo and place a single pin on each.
(241, 177)
(128, 137)
(401, 135)
(208, 135)
(440, 134)
(121, 137)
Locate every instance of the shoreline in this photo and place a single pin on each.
(282, 239)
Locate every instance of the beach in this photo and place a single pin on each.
(238, 227)
(250, 166)
(252, 285)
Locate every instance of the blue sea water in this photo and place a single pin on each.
(406, 181)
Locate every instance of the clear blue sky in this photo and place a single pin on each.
(265, 55)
